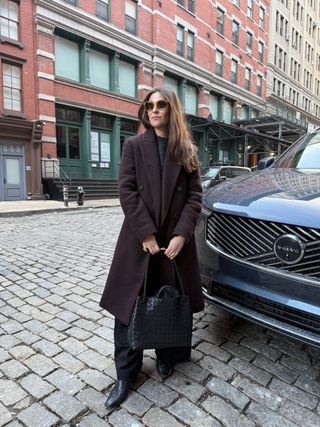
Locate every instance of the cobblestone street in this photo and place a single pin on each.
(56, 344)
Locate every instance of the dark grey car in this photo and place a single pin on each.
(259, 243)
(213, 175)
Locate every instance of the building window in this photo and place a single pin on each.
(236, 3)
(250, 8)
(249, 43)
(234, 71)
(73, 2)
(131, 16)
(11, 76)
(191, 6)
(102, 9)
(259, 85)
(127, 79)
(260, 51)
(220, 21)
(235, 32)
(247, 79)
(181, 2)
(261, 17)
(219, 63)
(190, 46)
(68, 133)
(180, 40)
(191, 101)
(172, 83)
(99, 64)
(9, 19)
(67, 55)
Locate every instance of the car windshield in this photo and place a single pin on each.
(210, 172)
(305, 154)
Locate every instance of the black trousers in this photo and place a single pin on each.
(129, 362)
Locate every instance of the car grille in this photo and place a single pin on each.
(292, 316)
(252, 240)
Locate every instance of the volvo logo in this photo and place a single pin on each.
(289, 249)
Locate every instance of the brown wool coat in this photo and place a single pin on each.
(164, 206)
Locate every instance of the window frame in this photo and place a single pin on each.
(103, 3)
(217, 65)
(235, 35)
(263, 18)
(247, 82)
(12, 88)
(261, 52)
(4, 37)
(220, 25)
(234, 74)
(190, 49)
(180, 44)
(250, 9)
(128, 18)
(259, 87)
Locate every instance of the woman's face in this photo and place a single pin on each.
(158, 113)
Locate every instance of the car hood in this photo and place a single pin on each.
(282, 195)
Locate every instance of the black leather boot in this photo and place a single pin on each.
(118, 393)
(164, 369)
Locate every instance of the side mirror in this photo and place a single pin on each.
(266, 162)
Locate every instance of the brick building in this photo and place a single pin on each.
(20, 130)
(95, 60)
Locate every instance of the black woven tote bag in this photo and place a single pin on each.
(163, 320)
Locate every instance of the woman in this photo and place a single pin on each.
(160, 194)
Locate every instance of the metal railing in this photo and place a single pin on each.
(53, 169)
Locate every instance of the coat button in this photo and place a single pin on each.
(141, 187)
(179, 188)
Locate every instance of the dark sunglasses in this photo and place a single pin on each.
(160, 105)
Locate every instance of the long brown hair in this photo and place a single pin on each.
(180, 144)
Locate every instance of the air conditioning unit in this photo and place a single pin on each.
(286, 37)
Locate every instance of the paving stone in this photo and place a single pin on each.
(65, 315)
(35, 326)
(206, 335)
(12, 326)
(38, 416)
(283, 373)
(157, 393)
(290, 347)
(214, 351)
(64, 405)
(105, 333)
(248, 369)
(100, 345)
(258, 393)
(13, 369)
(86, 324)
(14, 424)
(4, 355)
(10, 393)
(294, 394)
(224, 412)
(68, 362)
(309, 385)
(27, 337)
(183, 385)
(5, 415)
(36, 386)
(41, 365)
(58, 324)
(65, 381)
(73, 346)
(192, 415)
(8, 341)
(261, 348)
(47, 348)
(217, 368)
(78, 333)
(95, 379)
(95, 360)
(157, 417)
(94, 400)
(93, 421)
(228, 392)
(265, 417)
(123, 419)
(302, 417)
(192, 371)
(53, 335)
(136, 404)
(21, 352)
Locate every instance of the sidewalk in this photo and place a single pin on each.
(30, 207)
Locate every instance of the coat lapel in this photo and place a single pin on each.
(149, 150)
(170, 174)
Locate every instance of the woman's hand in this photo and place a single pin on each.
(175, 246)
(150, 245)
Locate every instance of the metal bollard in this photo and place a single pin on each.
(65, 195)
(80, 196)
